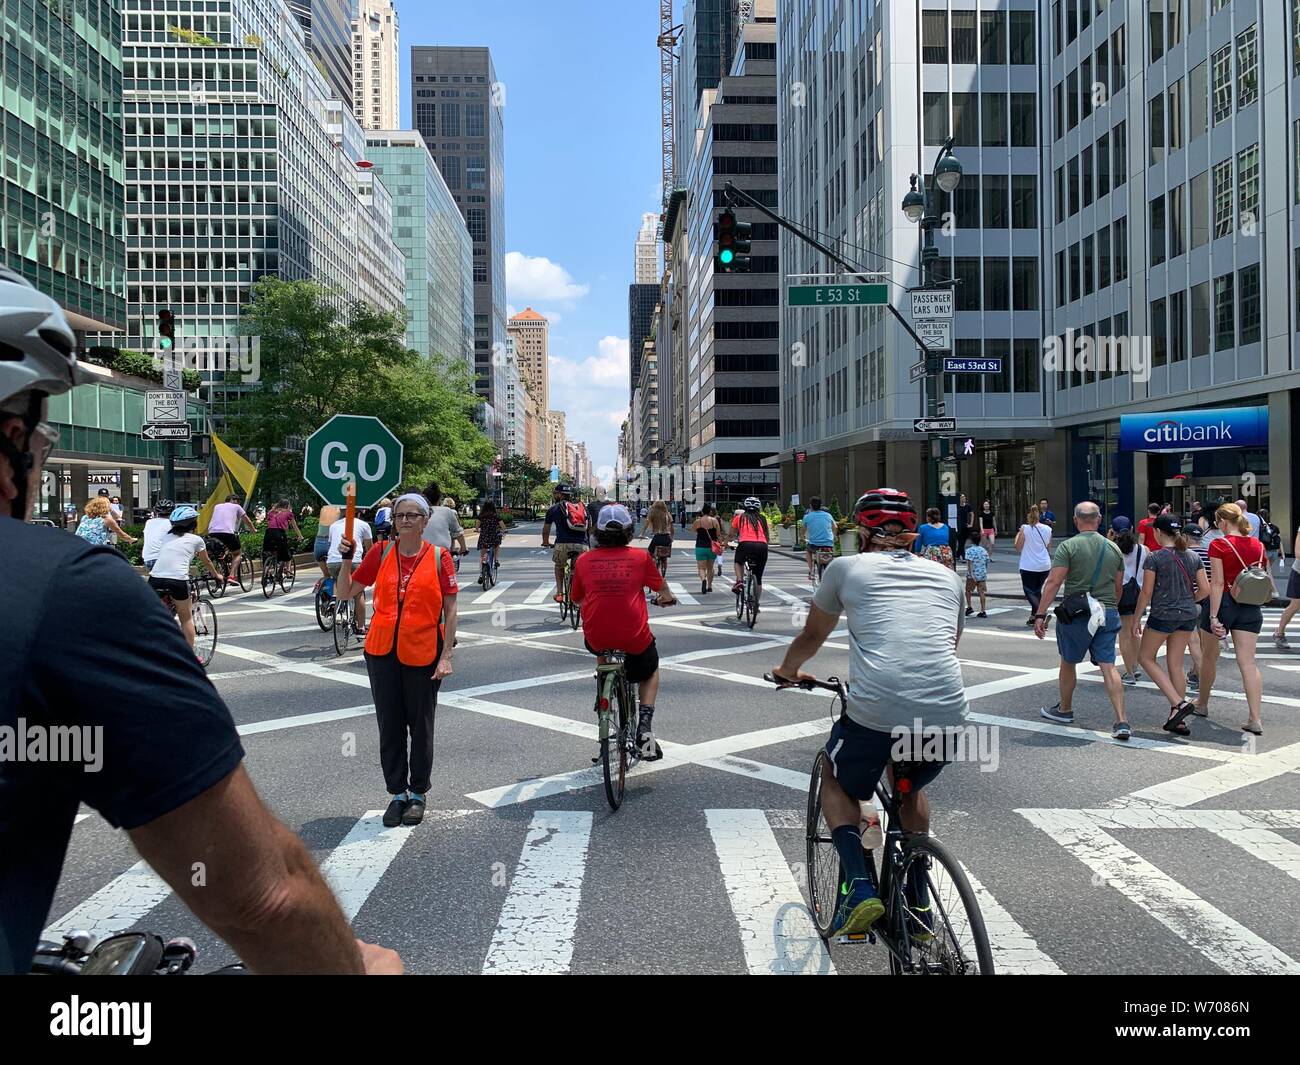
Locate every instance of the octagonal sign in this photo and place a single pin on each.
(353, 447)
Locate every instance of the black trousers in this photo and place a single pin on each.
(405, 700)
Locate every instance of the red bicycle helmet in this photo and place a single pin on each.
(883, 506)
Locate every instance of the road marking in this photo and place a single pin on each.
(493, 594)
(1015, 951)
(784, 596)
(770, 774)
(1218, 780)
(255, 671)
(116, 907)
(682, 594)
(1267, 846)
(283, 630)
(1207, 929)
(542, 593)
(307, 669)
(776, 929)
(355, 867)
(1236, 697)
(255, 728)
(540, 915)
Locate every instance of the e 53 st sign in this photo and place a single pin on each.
(348, 448)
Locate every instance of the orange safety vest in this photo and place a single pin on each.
(416, 623)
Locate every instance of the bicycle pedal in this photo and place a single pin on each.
(856, 939)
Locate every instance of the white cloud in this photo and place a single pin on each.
(530, 279)
(593, 393)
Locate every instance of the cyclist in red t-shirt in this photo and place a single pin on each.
(609, 583)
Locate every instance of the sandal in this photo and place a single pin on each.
(1254, 730)
(1199, 712)
(1174, 723)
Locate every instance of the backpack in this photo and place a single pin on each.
(575, 517)
(1253, 586)
(1270, 535)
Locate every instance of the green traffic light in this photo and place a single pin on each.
(726, 256)
(165, 343)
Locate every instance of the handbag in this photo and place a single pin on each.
(1075, 606)
(715, 543)
(1253, 586)
(1128, 596)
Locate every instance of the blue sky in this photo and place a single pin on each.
(582, 165)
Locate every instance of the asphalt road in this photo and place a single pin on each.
(1163, 855)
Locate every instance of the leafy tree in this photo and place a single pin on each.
(520, 475)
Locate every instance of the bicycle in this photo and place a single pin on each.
(747, 596)
(276, 572)
(568, 608)
(324, 603)
(951, 940)
(822, 557)
(220, 556)
(616, 709)
(487, 571)
(204, 614)
(344, 624)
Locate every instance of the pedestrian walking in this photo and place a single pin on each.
(1173, 583)
(1045, 514)
(415, 583)
(1089, 566)
(98, 524)
(1252, 520)
(115, 505)
(977, 572)
(1034, 542)
(1239, 585)
(1144, 530)
(1270, 536)
(1293, 594)
(1135, 555)
(933, 539)
(988, 526)
(1194, 533)
(965, 516)
(442, 525)
(708, 545)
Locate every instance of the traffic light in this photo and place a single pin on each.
(733, 244)
(166, 330)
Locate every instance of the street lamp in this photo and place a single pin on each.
(919, 207)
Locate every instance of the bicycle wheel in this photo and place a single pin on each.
(204, 614)
(613, 748)
(217, 588)
(951, 939)
(324, 611)
(751, 599)
(288, 574)
(268, 576)
(244, 573)
(342, 625)
(490, 573)
(823, 861)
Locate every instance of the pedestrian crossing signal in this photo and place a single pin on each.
(733, 244)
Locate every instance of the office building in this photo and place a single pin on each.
(457, 105)
(642, 298)
(647, 250)
(327, 30)
(374, 65)
(530, 332)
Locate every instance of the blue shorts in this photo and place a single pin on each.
(1075, 644)
(858, 755)
(320, 548)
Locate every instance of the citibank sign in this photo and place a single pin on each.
(1194, 430)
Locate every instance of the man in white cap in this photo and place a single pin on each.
(609, 584)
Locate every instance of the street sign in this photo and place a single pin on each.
(940, 409)
(165, 406)
(838, 295)
(954, 365)
(936, 333)
(916, 372)
(967, 447)
(801, 456)
(352, 447)
(930, 303)
(151, 431)
(171, 380)
(934, 425)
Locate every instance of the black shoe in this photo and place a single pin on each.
(414, 812)
(704, 588)
(393, 815)
(982, 614)
(969, 611)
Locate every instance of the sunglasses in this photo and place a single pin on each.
(43, 441)
(411, 515)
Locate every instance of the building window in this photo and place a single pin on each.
(997, 285)
(1076, 271)
(1248, 190)
(966, 202)
(1120, 137)
(1156, 128)
(994, 122)
(1072, 97)
(1024, 119)
(966, 118)
(1159, 333)
(1248, 294)
(1247, 68)
(1120, 248)
(475, 172)
(1062, 296)
(1089, 265)
(1103, 257)
(1021, 24)
(1060, 195)
(1024, 283)
(935, 117)
(966, 272)
(1201, 319)
(934, 37)
(475, 120)
(1072, 178)
(1198, 102)
(1103, 165)
(1085, 84)
(1222, 199)
(1024, 201)
(993, 37)
(995, 202)
(1178, 326)
(1087, 175)
(1174, 115)
(450, 116)
(1200, 209)
(1156, 29)
(1221, 79)
(963, 37)
(1177, 222)
(1224, 319)
(1027, 354)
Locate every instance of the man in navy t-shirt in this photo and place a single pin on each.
(570, 532)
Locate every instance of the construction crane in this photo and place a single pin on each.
(668, 36)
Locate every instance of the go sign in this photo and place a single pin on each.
(353, 447)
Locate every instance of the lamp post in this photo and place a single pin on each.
(920, 207)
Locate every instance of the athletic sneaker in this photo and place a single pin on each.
(860, 907)
(969, 611)
(414, 811)
(1053, 713)
(1280, 641)
(396, 808)
(1193, 682)
(1130, 678)
(645, 739)
(982, 614)
(1120, 730)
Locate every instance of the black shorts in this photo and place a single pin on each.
(177, 590)
(1293, 585)
(638, 667)
(276, 540)
(1169, 626)
(230, 541)
(1236, 617)
(660, 540)
(858, 755)
(755, 554)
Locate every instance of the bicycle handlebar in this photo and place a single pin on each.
(833, 684)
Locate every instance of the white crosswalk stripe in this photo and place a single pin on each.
(540, 594)
(682, 594)
(493, 594)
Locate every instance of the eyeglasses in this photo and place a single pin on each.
(411, 515)
(49, 440)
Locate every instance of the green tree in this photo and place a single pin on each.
(520, 475)
(318, 361)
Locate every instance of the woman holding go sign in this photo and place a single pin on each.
(408, 649)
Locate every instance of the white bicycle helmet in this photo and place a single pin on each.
(36, 343)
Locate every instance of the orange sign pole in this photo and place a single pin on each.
(352, 510)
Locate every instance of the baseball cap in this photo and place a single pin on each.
(1121, 524)
(614, 514)
(1168, 524)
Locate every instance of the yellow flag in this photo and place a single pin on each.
(243, 472)
(224, 488)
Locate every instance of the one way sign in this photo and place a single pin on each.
(934, 425)
(151, 431)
